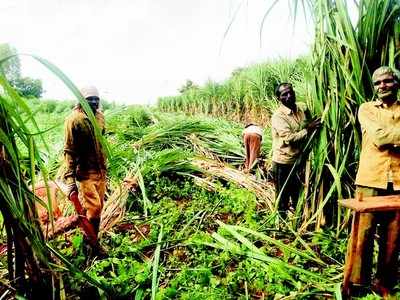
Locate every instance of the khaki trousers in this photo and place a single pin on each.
(387, 225)
(252, 145)
(91, 193)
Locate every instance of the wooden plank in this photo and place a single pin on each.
(372, 204)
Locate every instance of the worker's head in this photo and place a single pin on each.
(285, 94)
(91, 94)
(386, 83)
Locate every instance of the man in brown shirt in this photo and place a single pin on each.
(290, 127)
(85, 159)
(379, 175)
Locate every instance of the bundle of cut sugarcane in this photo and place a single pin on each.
(262, 190)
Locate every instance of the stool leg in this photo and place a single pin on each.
(351, 254)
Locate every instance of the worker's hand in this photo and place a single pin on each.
(314, 125)
(71, 188)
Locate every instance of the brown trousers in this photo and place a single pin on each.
(387, 225)
(252, 145)
(91, 193)
(288, 183)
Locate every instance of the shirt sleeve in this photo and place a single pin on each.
(288, 135)
(378, 130)
(70, 154)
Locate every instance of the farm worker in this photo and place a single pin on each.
(85, 160)
(379, 175)
(290, 128)
(252, 137)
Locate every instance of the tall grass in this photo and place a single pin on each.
(248, 95)
(26, 251)
(33, 270)
(343, 59)
(335, 81)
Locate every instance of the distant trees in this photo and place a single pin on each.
(188, 86)
(237, 72)
(28, 87)
(10, 66)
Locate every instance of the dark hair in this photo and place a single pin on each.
(277, 92)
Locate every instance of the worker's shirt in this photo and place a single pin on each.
(380, 152)
(287, 133)
(82, 151)
(253, 129)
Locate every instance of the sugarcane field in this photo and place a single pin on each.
(200, 149)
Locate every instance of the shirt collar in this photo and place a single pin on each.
(381, 104)
(286, 110)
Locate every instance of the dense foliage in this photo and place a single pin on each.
(194, 226)
(345, 54)
(187, 223)
(215, 233)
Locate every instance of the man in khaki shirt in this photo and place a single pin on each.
(290, 127)
(86, 161)
(379, 175)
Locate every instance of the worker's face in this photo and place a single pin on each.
(386, 86)
(93, 103)
(287, 95)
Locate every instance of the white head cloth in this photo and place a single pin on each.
(89, 91)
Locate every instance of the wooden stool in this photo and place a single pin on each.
(361, 205)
